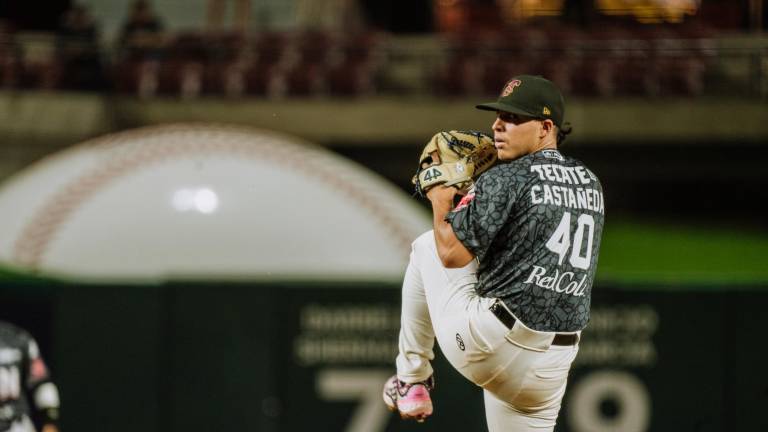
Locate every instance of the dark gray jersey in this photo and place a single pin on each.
(535, 226)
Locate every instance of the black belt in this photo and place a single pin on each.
(506, 318)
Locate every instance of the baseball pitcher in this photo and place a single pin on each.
(504, 279)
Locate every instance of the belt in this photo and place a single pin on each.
(506, 318)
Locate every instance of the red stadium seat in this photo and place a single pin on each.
(352, 78)
(9, 63)
(136, 77)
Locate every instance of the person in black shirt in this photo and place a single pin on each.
(504, 279)
(143, 33)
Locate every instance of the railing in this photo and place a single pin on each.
(597, 64)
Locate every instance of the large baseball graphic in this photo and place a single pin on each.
(205, 201)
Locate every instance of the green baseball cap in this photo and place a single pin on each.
(530, 95)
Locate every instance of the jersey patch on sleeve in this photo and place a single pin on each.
(465, 201)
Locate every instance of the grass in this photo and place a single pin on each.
(636, 252)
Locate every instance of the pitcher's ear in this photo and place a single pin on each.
(547, 126)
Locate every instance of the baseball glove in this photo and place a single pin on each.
(461, 157)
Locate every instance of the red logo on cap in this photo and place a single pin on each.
(510, 87)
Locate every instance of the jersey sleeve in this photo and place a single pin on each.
(482, 213)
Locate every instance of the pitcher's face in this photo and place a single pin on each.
(516, 135)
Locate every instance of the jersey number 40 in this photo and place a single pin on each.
(560, 241)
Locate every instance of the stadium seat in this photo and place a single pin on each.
(9, 63)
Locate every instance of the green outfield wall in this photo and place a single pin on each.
(306, 356)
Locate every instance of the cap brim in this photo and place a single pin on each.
(498, 106)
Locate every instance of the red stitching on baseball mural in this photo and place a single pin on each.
(40, 231)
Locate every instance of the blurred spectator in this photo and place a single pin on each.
(77, 25)
(27, 394)
(466, 16)
(78, 50)
(217, 10)
(142, 34)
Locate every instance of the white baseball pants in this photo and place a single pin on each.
(522, 376)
